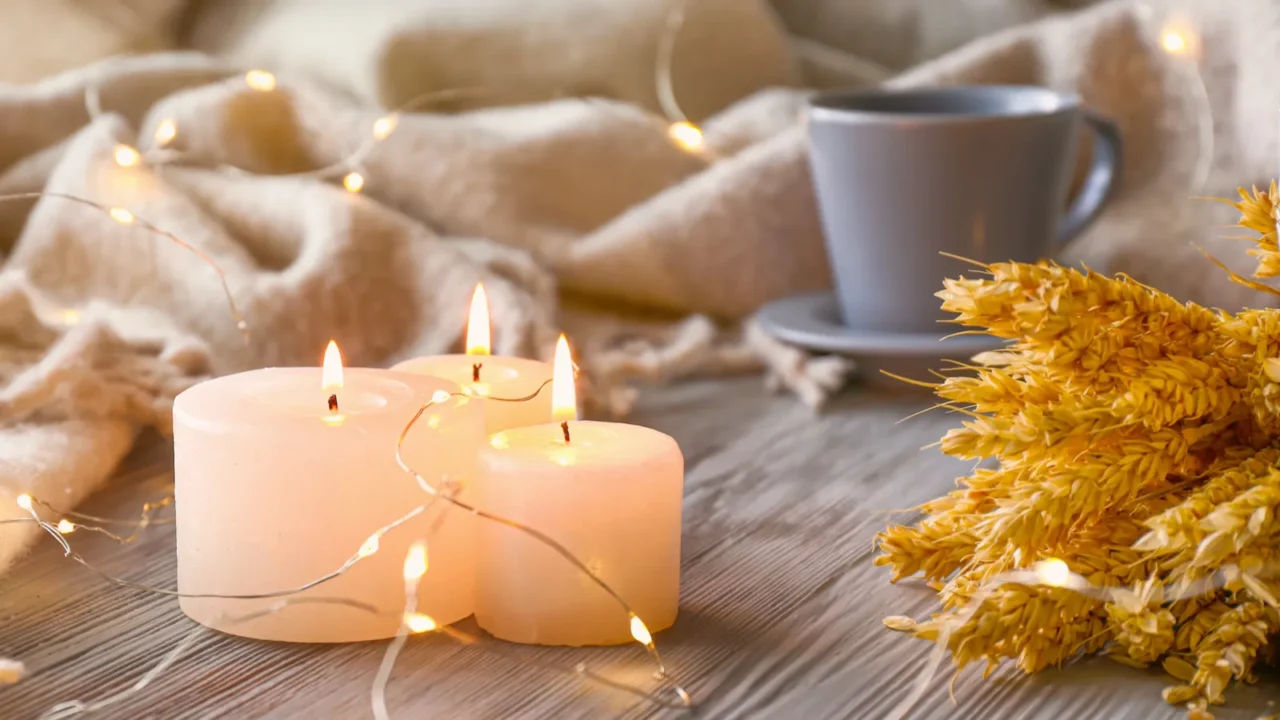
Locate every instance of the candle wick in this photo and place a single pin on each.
(565, 427)
(333, 403)
(475, 371)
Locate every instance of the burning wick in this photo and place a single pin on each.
(331, 374)
(475, 371)
(565, 427)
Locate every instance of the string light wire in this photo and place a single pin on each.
(639, 631)
(124, 217)
(683, 133)
(369, 547)
(1049, 573)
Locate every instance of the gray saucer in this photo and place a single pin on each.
(812, 321)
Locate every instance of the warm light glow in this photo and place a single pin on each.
(1053, 572)
(499, 441)
(126, 156)
(415, 562)
(384, 126)
(686, 135)
(419, 623)
(331, 375)
(564, 400)
(640, 632)
(433, 422)
(440, 396)
(1174, 43)
(353, 182)
(166, 131)
(66, 527)
(24, 501)
(260, 80)
(120, 215)
(478, 323)
(68, 316)
(369, 547)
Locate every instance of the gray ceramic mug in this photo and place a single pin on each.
(979, 172)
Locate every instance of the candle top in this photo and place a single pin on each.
(270, 395)
(592, 443)
(500, 376)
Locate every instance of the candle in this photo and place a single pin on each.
(487, 376)
(284, 474)
(611, 494)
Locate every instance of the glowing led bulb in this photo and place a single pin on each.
(440, 396)
(122, 216)
(499, 441)
(686, 135)
(415, 562)
(126, 156)
(1053, 572)
(66, 527)
(353, 182)
(419, 623)
(384, 126)
(24, 501)
(166, 131)
(369, 547)
(260, 80)
(1173, 42)
(640, 631)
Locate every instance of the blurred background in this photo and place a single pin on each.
(534, 48)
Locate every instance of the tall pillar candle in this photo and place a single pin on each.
(498, 381)
(610, 493)
(279, 482)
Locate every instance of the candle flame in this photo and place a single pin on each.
(564, 400)
(478, 323)
(331, 376)
(415, 562)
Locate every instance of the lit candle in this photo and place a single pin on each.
(284, 474)
(611, 494)
(489, 376)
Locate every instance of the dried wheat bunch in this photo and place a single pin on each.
(1132, 436)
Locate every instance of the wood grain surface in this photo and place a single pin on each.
(780, 605)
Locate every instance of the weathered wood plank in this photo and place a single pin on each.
(780, 609)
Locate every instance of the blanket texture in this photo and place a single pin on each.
(580, 215)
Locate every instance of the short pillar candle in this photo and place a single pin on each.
(611, 493)
(279, 482)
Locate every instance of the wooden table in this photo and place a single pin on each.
(780, 610)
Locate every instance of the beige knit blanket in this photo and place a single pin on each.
(577, 215)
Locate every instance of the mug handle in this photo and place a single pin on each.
(1098, 184)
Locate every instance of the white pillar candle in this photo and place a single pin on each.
(611, 495)
(488, 376)
(274, 489)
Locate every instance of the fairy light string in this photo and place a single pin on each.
(124, 217)
(412, 622)
(685, 135)
(1052, 573)
(638, 629)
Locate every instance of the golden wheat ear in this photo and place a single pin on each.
(1258, 214)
